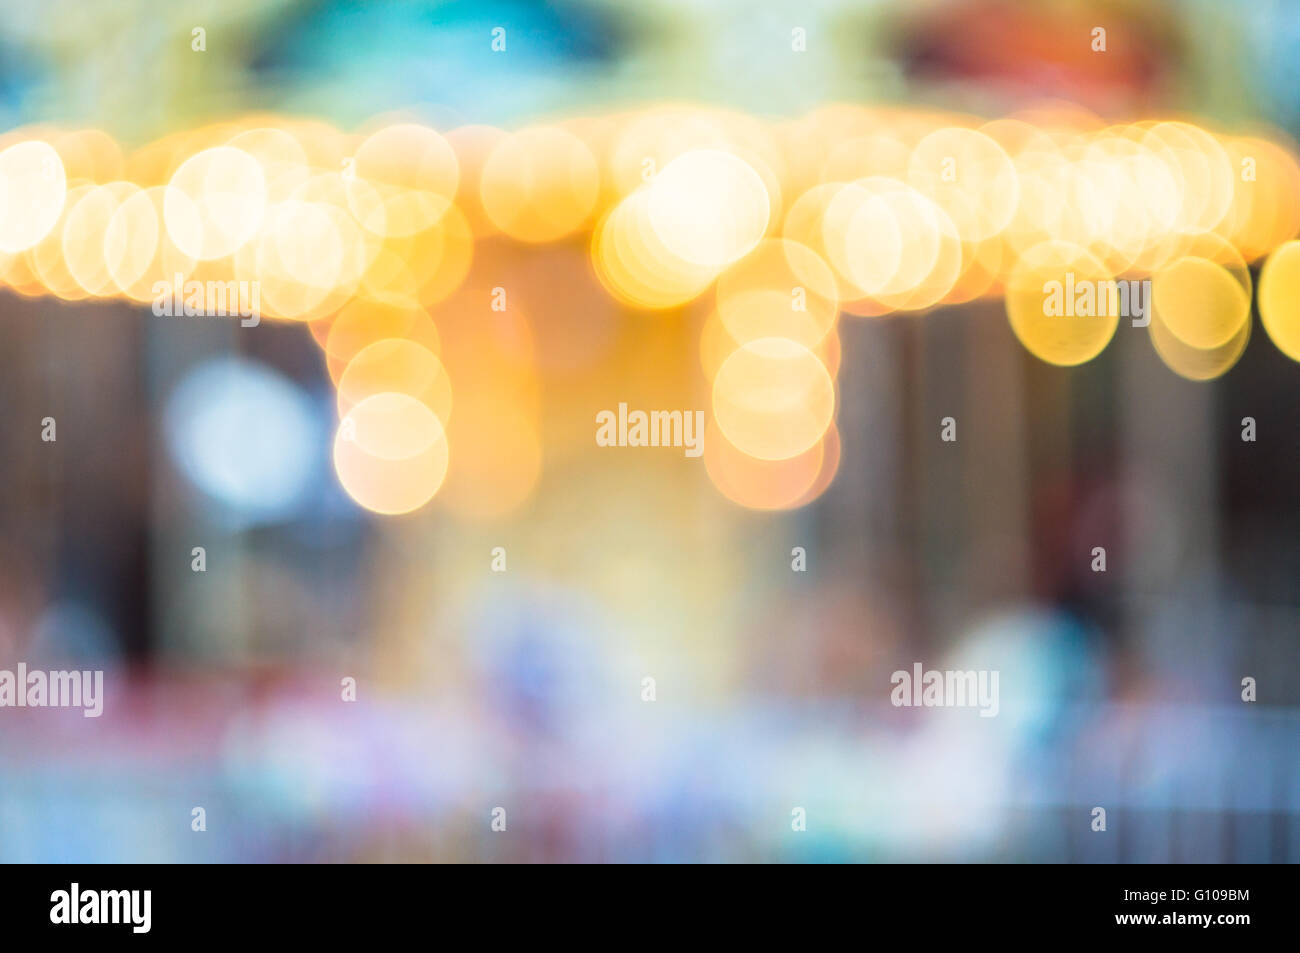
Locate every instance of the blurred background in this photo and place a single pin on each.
(523, 689)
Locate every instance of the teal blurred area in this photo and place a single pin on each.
(133, 67)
